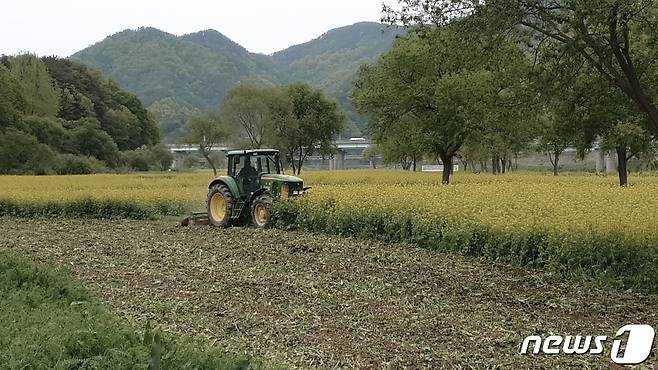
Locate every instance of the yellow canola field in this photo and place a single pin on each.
(514, 202)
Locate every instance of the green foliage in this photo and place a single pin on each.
(22, 153)
(91, 209)
(157, 158)
(434, 90)
(12, 103)
(171, 117)
(36, 85)
(252, 108)
(71, 164)
(610, 260)
(309, 127)
(206, 131)
(86, 93)
(88, 139)
(49, 321)
(51, 107)
(628, 135)
(162, 157)
(615, 38)
(49, 131)
(331, 61)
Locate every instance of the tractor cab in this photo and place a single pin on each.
(254, 180)
(247, 167)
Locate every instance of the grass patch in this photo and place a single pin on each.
(50, 322)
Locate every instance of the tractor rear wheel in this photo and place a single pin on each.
(220, 205)
(261, 211)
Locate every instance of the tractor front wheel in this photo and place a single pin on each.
(220, 205)
(261, 211)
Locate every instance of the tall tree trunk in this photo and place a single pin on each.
(503, 165)
(413, 165)
(622, 166)
(301, 161)
(556, 163)
(446, 159)
(292, 164)
(206, 155)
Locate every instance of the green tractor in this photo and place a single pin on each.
(254, 181)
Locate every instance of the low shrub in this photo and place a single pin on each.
(70, 164)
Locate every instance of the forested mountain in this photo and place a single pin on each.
(331, 61)
(60, 116)
(176, 75)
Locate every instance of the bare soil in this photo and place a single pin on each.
(305, 300)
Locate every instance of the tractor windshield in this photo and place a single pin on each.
(265, 164)
(253, 164)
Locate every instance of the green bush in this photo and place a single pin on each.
(70, 164)
(50, 322)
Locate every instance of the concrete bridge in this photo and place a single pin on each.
(348, 150)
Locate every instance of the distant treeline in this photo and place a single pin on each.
(61, 117)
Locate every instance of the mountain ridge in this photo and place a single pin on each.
(198, 68)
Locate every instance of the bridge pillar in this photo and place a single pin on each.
(611, 163)
(600, 160)
(337, 161)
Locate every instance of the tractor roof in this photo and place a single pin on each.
(253, 151)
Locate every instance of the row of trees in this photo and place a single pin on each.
(299, 120)
(484, 80)
(58, 116)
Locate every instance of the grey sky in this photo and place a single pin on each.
(48, 27)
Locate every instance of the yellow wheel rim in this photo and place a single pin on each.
(217, 207)
(260, 213)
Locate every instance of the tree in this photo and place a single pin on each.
(206, 131)
(437, 84)
(36, 85)
(88, 139)
(49, 131)
(611, 36)
(627, 139)
(370, 154)
(248, 106)
(86, 93)
(12, 103)
(22, 153)
(555, 136)
(399, 143)
(162, 157)
(309, 127)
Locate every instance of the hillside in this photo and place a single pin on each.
(59, 116)
(331, 61)
(193, 72)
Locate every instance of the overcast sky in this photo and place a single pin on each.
(50, 27)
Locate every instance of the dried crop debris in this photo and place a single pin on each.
(318, 301)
